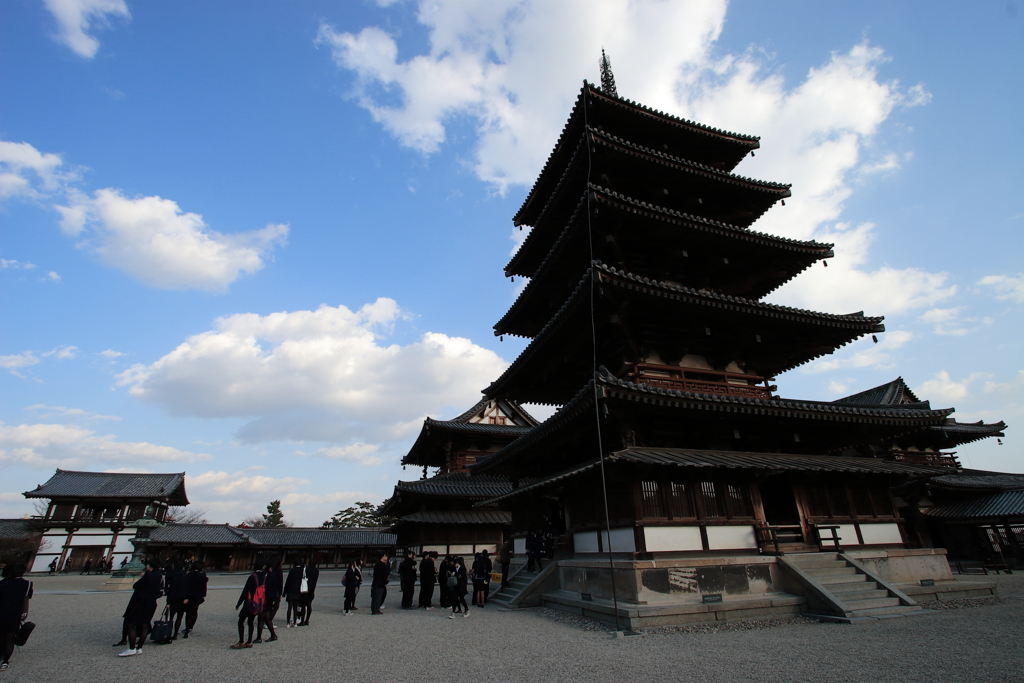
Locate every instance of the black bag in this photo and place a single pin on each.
(163, 629)
(453, 581)
(23, 633)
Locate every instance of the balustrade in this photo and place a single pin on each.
(700, 381)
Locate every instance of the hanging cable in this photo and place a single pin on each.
(593, 375)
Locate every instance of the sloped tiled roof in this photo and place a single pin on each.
(198, 534)
(992, 506)
(69, 484)
(890, 393)
(459, 517)
(222, 534)
(979, 480)
(16, 528)
(458, 485)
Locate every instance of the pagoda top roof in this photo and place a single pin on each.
(890, 393)
(169, 488)
(732, 147)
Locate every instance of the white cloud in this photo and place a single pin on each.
(71, 446)
(15, 265)
(75, 18)
(27, 172)
(513, 68)
(361, 453)
(323, 375)
(943, 388)
(153, 240)
(65, 352)
(43, 411)
(240, 483)
(18, 360)
(111, 354)
(1007, 287)
(869, 355)
(52, 276)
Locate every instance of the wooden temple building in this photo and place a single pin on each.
(440, 513)
(647, 328)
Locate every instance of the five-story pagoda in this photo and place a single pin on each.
(644, 307)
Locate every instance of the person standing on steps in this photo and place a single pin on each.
(196, 581)
(428, 577)
(407, 576)
(15, 592)
(148, 590)
(312, 576)
(253, 603)
(353, 578)
(379, 587)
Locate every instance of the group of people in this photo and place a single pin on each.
(452, 575)
(185, 588)
(261, 599)
(103, 566)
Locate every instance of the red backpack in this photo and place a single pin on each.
(257, 598)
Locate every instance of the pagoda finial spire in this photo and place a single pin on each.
(607, 78)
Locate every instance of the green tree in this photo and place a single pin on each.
(360, 515)
(274, 519)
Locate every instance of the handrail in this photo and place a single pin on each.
(834, 528)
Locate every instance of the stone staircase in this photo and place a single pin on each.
(842, 590)
(521, 588)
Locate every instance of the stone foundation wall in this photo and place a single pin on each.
(905, 566)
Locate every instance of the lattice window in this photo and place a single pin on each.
(840, 503)
(679, 501)
(709, 500)
(737, 501)
(652, 500)
(817, 501)
(881, 501)
(861, 501)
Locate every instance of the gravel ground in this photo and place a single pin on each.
(76, 628)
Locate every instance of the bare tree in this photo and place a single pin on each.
(181, 514)
(41, 506)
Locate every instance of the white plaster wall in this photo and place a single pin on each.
(88, 537)
(880, 533)
(623, 540)
(669, 538)
(731, 537)
(124, 542)
(460, 549)
(519, 544)
(585, 542)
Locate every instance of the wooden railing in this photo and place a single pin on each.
(925, 458)
(828, 534)
(772, 536)
(701, 381)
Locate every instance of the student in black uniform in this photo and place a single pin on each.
(148, 590)
(461, 587)
(197, 581)
(407, 576)
(353, 579)
(379, 587)
(177, 594)
(273, 588)
(253, 603)
(312, 576)
(428, 577)
(293, 594)
(15, 592)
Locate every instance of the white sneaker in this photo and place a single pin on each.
(451, 616)
(466, 614)
(128, 653)
(138, 650)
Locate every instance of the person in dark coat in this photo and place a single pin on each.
(479, 577)
(379, 587)
(273, 588)
(293, 594)
(177, 595)
(148, 590)
(442, 573)
(252, 602)
(353, 579)
(533, 548)
(86, 567)
(312, 576)
(15, 592)
(428, 577)
(505, 559)
(196, 582)
(407, 576)
(457, 570)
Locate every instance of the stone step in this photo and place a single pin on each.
(879, 611)
(842, 578)
(861, 605)
(820, 564)
(852, 597)
(841, 570)
(852, 587)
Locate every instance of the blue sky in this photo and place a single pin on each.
(260, 242)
